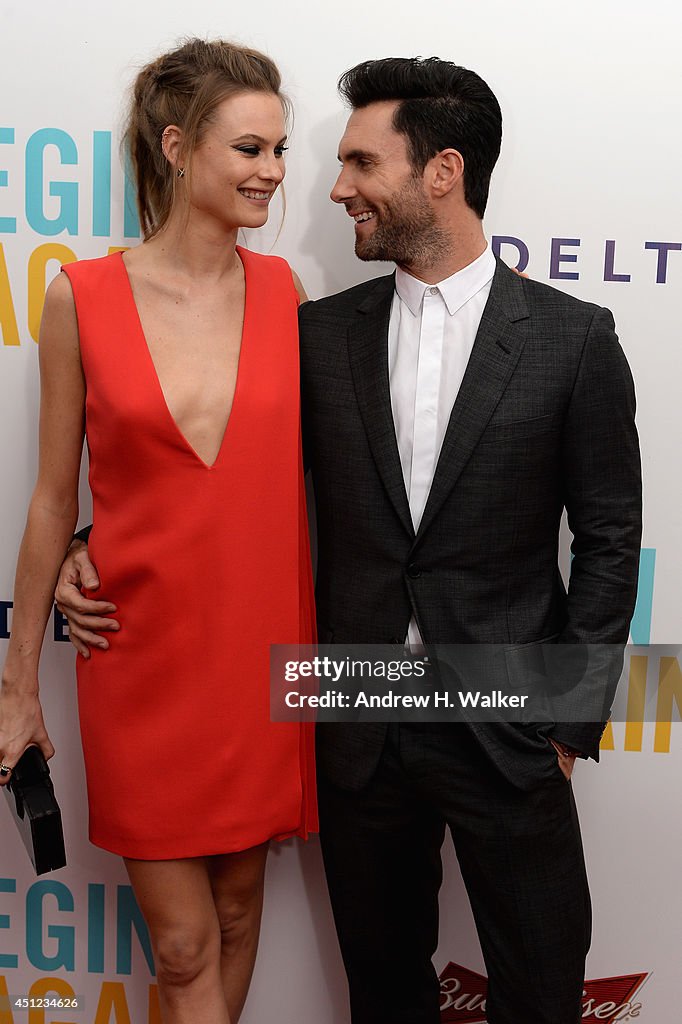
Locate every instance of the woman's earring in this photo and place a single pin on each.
(180, 172)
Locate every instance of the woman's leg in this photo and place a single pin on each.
(176, 899)
(237, 884)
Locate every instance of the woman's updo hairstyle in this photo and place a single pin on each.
(184, 87)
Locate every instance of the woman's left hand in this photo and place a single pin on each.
(21, 726)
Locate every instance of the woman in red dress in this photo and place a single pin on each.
(179, 360)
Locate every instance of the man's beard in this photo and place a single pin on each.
(406, 233)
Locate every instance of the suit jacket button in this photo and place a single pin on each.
(413, 571)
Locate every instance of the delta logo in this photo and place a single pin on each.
(605, 1000)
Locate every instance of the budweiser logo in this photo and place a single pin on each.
(605, 1000)
(462, 995)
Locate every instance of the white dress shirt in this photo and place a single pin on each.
(430, 337)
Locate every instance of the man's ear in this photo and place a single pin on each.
(444, 172)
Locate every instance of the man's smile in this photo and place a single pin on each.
(361, 216)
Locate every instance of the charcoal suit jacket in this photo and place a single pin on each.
(544, 420)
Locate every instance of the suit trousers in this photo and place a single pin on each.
(521, 859)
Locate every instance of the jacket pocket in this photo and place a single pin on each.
(519, 429)
(526, 662)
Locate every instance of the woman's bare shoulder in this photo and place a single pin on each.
(59, 324)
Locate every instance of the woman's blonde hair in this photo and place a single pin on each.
(183, 88)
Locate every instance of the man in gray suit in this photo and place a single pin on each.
(452, 410)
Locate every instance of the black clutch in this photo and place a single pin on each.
(31, 799)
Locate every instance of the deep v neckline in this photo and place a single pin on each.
(157, 381)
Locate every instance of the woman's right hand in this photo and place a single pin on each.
(85, 617)
(21, 725)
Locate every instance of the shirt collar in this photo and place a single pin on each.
(456, 290)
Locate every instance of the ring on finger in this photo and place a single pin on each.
(5, 770)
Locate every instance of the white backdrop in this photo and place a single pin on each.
(591, 155)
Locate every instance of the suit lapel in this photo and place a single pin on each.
(368, 354)
(498, 345)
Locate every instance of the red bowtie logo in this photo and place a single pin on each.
(605, 1000)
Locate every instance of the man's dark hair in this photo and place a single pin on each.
(442, 106)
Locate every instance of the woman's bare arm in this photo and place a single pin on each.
(52, 516)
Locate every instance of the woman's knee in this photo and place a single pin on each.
(239, 917)
(181, 955)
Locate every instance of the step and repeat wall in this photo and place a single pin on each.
(585, 198)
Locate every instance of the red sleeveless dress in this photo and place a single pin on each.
(207, 565)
